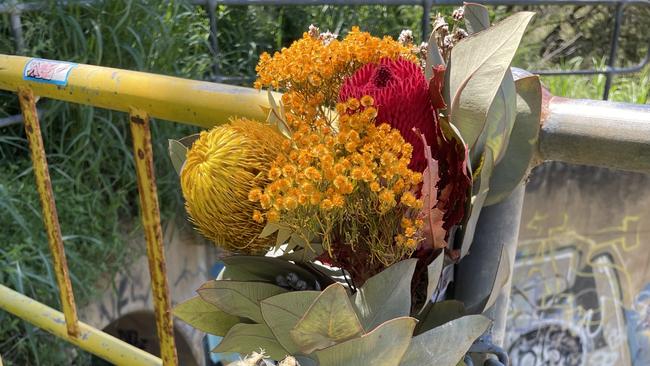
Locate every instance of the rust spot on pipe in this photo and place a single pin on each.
(137, 119)
(546, 101)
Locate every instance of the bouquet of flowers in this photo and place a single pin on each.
(343, 209)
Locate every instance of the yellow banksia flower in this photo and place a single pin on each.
(224, 169)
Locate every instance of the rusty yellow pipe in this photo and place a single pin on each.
(150, 212)
(188, 101)
(50, 217)
(90, 339)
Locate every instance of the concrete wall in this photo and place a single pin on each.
(126, 310)
(581, 288)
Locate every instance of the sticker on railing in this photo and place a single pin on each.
(48, 71)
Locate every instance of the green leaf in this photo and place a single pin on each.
(277, 115)
(239, 298)
(439, 313)
(284, 233)
(386, 295)
(446, 344)
(270, 228)
(501, 118)
(515, 164)
(477, 202)
(434, 58)
(177, 153)
(282, 312)
(477, 17)
(264, 269)
(178, 150)
(329, 320)
(501, 278)
(306, 361)
(433, 276)
(384, 346)
(205, 317)
(247, 338)
(188, 140)
(480, 63)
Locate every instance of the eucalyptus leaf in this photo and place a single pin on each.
(178, 154)
(284, 233)
(501, 118)
(434, 269)
(477, 17)
(270, 228)
(277, 115)
(205, 317)
(439, 313)
(248, 338)
(447, 344)
(434, 58)
(188, 140)
(329, 320)
(282, 312)
(515, 164)
(477, 202)
(239, 298)
(306, 361)
(480, 63)
(386, 295)
(384, 346)
(264, 269)
(501, 278)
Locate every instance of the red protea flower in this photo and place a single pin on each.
(401, 95)
(407, 102)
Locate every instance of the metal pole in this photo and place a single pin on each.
(48, 205)
(592, 132)
(496, 233)
(17, 31)
(150, 213)
(211, 7)
(613, 49)
(95, 341)
(426, 19)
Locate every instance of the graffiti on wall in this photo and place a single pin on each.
(573, 298)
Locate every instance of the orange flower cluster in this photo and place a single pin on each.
(346, 184)
(316, 68)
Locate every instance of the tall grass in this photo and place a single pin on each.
(633, 88)
(89, 153)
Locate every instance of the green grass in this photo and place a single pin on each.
(633, 88)
(89, 152)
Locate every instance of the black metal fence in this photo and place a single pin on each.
(15, 8)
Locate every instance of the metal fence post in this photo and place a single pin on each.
(426, 18)
(211, 7)
(613, 49)
(17, 30)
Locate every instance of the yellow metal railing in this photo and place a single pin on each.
(143, 96)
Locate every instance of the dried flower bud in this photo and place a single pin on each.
(459, 34)
(440, 25)
(314, 32)
(289, 361)
(328, 37)
(405, 37)
(458, 14)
